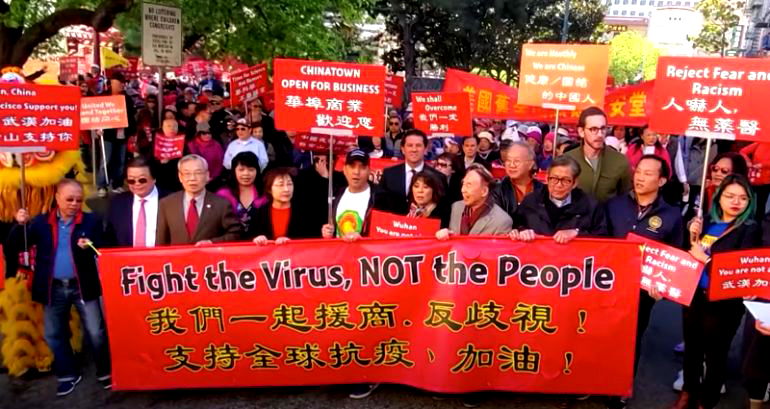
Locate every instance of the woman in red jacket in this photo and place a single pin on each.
(648, 144)
(758, 156)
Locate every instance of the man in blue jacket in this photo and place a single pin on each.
(66, 275)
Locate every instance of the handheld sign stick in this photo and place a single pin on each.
(555, 133)
(330, 193)
(703, 178)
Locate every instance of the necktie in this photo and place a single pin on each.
(408, 185)
(192, 219)
(140, 230)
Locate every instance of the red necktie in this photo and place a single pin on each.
(140, 232)
(192, 219)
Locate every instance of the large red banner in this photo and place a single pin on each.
(247, 83)
(712, 97)
(489, 98)
(442, 114)
(737, 274)
(313, 96)
(467, 314)
(39, 116)
(394, 90)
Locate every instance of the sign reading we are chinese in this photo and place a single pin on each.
(737, 274)
(442, 113)
(563, 76)
(721, 98)
(39, 116)
(314, 96)
(674, 273)
(394, 90)
(467, 314)
(107, 112)
(247, 83)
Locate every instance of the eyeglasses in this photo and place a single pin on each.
(140, 181)
(561, 181)
(720, 169)
(597, 129)
(516, 162)
(192, 175)
(393, 123)
(442, 165)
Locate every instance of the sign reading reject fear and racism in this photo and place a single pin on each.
(467, 314)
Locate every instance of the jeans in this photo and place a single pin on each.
(57, 330)
(115, 155)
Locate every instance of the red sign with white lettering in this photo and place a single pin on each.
(712, 97)
(442, 113)
(388, 225)
(168, 147)
(248, 83)
(313, 96)
(34, 115)
(394, 91)
(320, 143)
(737, 274)
(673, 272)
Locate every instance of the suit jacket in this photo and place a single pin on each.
(119, 222)
(217, 221)
(496, 221)
(393, 182)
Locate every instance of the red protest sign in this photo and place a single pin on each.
(320, 143)
(386, 225)
(394, 90)
(563, 76)
(168, 147)
(467, 314)
(34, 115)
(375, 164)
(248, 83)
(442, 113)
(329, 95)
(630, 105)
(673, 272)
(488, 98)
(737, 274)
(69, 67)
(103, 112)
(712, 97)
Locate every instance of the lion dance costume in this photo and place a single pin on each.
(22, 346)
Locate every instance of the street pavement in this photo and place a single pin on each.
(653, 388)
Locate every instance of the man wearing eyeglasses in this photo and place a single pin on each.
(393, 136)
(132, 218)
(604, 172)
(520, 167)
(561, 210)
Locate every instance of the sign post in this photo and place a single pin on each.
(161, 35)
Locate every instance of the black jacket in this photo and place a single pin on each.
(746, 236)
(583, 213)
(111, 135)
(504, 196)
(119, 222)
(662, 222)
(393, 183)
(262, 225)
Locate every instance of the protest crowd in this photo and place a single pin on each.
(237, 178)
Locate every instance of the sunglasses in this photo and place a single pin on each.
(140, 181)
(393, 123)
(240, 128)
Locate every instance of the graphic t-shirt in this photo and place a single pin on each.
(712, 234)
(351, 211)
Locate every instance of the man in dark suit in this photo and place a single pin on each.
(396, 180)
(195, 216)
(132, 219)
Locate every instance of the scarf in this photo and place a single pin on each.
(416, 211)
(470, 216)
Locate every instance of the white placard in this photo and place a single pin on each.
(760, 310)
(161, 35)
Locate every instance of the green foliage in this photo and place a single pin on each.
(719, 17)
(632, 57)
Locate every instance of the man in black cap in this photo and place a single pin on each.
(353, 206)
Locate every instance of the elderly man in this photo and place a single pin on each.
(561, 210)
(246, 142)
(476, 214)
(66, 275)
(195, 216)
(520, 167)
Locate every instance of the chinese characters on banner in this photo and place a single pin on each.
(329, 95)
(488, 98)
(39, 115)
(630, 105)
(385, 225)
(673, 272)
(563, 76)
(442, 113)
(468, 314)
(103, 112)
(320, 143)
(161, 35)
(168, 147)
(712, 97)
(248, 83)
(737, 274)
(394, 90)
(70, 66)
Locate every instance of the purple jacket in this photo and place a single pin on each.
(211, 151)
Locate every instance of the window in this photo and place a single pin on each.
(617, 1)
(625, 1)
(614, 12)
(624, 12)
(643, 3)
(678, 3)
(633, 2)
(633, 13)
(660, 3)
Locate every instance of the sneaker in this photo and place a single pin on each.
(363, 390)
(106, 381)
(679, 348)
(471, 401)
(679, 382)
(724, 389)
(101, 192)
(118, 190)
(617, 403)
(767, 394)
(66, 387)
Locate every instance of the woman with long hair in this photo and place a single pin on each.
(709, 326)
(244, 190)
(279, 220)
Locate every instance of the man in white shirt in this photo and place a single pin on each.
(245, 142)
(133, 216)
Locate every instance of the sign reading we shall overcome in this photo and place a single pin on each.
(467, 314)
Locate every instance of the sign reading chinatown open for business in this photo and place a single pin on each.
(161, 35)
(318, 96)
(467, 314)
(34, 116)
(563, 76)
(722, 98)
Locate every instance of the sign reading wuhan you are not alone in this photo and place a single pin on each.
(35, 116)
(722, 98)
(161, 35)
(324, 97)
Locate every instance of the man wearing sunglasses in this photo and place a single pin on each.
(133, 216)
(246, 142)
(604, 172)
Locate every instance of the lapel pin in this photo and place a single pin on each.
(208, 206)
